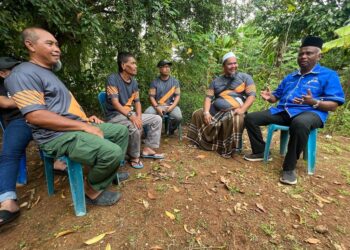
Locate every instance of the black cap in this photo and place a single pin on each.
(8, 62)
(164, 62)
(314, 41)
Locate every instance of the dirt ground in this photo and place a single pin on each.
(196, 199)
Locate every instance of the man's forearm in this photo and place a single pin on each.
(117, 106)
(248, 102)
(207, 103)
(176, 101)
(327, 105)
(138, 109)
(49, 120)
(153, 101)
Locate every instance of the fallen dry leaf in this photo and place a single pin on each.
(24, 204)
(321, 229)
(108, 247)
(151, 195)
(200, 156)
(224, 180)
(62, 194)
(165, 164)
(95, 239)
(170, 215)
(229, 210)
(319, 198)
(145, 204)
(260, 207)
(199, 240)
(156, 248)
(63, 233)
(176, 189)
(36, 202)
(312, 241)
(191, 231)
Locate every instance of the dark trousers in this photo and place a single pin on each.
(15, 139)
(299, 130)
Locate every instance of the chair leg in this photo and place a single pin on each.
(48, 162)
(179, 130)
(312, 150)
(76, 181)
(284, 142)
(268, 143)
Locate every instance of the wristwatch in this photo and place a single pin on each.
(206, 113)
(315, 106)
(129, 114)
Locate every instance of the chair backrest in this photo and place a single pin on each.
(102, 98)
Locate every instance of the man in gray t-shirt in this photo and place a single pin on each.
(164, 95)
(122, 97)
(59, 124)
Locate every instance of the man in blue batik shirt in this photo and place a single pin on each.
(305, 97)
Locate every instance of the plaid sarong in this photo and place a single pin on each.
(223, 134)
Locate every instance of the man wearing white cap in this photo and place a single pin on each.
(219, 125)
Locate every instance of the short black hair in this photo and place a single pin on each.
(123, 57)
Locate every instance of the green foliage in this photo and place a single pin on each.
(194, 34)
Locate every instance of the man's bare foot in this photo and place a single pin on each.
(59, 165)
(148, 151)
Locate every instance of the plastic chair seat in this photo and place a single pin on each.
(309, 152)
(76, 181)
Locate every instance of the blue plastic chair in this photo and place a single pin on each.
(22, 172)
(76, 181)
(102, 98)
(309, 152)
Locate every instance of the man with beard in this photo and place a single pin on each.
(305, 98)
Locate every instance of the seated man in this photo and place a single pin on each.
(219, 125)
(164, 94)
(305, 97)
(17, 135)
(59, 124)
(122, 94)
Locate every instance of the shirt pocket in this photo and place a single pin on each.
(314, 86)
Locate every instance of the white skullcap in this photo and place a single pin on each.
(227, 56)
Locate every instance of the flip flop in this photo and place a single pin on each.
(120, 177)
(106, 198)
(136, 164)
(153, 156)
(7, 216)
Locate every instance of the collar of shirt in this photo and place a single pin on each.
(315, 70)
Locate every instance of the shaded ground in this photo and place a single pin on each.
(216, 203)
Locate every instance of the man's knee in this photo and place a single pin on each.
(298, 126)
(157, 119)
(248, 118)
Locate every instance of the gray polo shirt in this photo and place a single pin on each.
(164, 91)
(126, 93)
(230, 91)
(33, 88)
